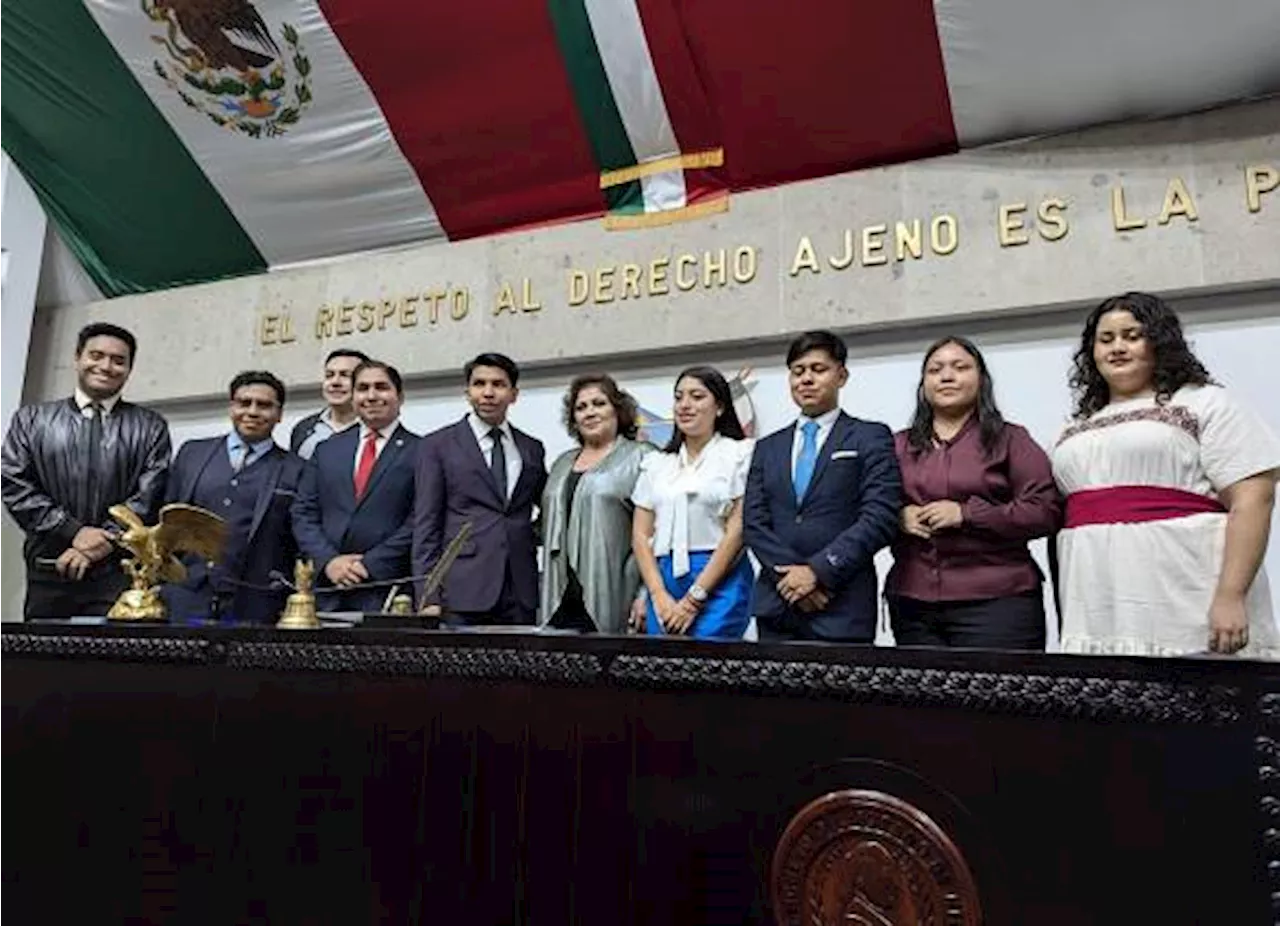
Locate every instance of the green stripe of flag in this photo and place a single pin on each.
(126, 195)
(591, 91)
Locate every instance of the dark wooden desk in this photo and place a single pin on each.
(158, 775)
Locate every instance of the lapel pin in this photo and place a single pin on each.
(399, 442)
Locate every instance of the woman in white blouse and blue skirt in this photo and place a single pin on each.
(687, 529)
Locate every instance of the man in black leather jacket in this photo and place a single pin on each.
(65, 463)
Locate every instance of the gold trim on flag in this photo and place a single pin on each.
(694, 160)
(668, 216)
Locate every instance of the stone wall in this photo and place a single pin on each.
(1186, 206)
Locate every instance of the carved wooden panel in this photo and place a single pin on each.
(866, 858)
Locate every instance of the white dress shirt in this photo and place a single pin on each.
(107, 405)
(384, 435)
(826, 421)
(691, 500)
(515, 465)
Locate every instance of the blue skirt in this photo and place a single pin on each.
(728, 608)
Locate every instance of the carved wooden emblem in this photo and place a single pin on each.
(865, 858)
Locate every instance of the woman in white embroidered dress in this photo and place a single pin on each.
(1170, 485)
(687, 527)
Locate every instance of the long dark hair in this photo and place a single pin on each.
(1175, 363)
(990, 421)
(727, 422)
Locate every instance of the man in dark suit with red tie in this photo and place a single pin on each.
(353, 516)
(483, 471)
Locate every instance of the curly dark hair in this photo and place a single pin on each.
(624, 405)
(990, 421)
(1175, 363)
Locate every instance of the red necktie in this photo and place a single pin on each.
(368, 457)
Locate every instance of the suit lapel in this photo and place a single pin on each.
(829, 446)
(216, 446)
(274, 462)
(471, 448)
(783, 449)
(526, 466)
(393, 448)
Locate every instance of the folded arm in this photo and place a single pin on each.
(1036, 507)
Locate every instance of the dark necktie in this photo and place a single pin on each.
(95, 461)
(498, 463)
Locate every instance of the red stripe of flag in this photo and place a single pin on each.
(807, 89)
(478, 100)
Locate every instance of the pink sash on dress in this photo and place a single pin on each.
(1136, 505)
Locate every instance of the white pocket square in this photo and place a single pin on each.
(844, 455)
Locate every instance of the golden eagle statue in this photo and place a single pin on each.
(181, 529)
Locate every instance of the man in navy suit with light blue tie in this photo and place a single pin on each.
(823, 496)
(251, 483)
(354, 513)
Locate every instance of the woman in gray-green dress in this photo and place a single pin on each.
(589, 578)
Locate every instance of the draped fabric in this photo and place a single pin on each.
(181, 141)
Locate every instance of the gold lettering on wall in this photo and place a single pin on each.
(1259, 179)
(658, 276)
(805, 259)
(908, 239)
(944, 235)
(1010, 225)
(506, 301)
(845, 259)
(1051, 223)
(604, 285)
(630, 282)
(645, 276)
(461, 304)
(714, 266)
(683, 282)
(527, 302)
(579, 287)
(1177, 201)
(408, 311)
(1120, 219)
(873, 245)
(345, 313)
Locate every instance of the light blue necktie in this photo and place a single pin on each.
(807, 460)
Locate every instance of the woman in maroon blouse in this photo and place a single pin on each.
(977, 489)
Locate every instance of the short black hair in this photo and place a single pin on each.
(392, 373)
(818, 340)
(347, 352)
(501, 361)
(107, 330)
(257, 378)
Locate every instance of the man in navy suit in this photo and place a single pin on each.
(823, 496)
(483, 471)
(249, 481)
(353, 516)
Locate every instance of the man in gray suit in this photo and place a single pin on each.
(482, 470)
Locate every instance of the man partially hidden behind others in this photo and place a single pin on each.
(249, 481)
(66, 462)
(339, 412)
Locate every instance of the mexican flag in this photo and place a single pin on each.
(179, 141)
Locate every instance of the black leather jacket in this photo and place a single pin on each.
(44, 469)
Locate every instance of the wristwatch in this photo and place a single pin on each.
(698, 594)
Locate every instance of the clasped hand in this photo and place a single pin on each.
(346, 570)
(924, 521)
(90, 545)
(798, 586)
